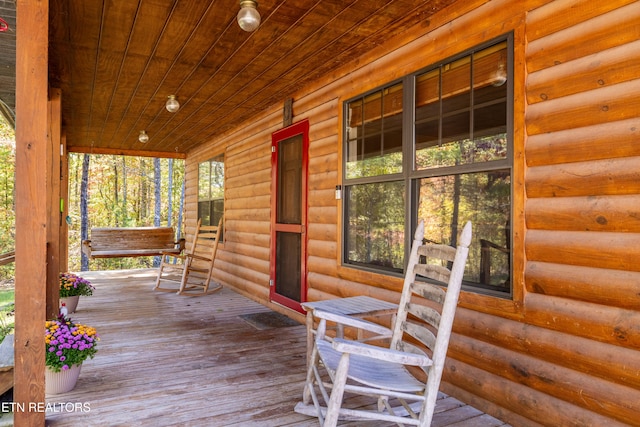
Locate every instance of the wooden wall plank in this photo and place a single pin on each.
(618, 176)
(323, 198)
(614, 288)
(325, 232)
(562, 14)
(602, 32)
(619, 213)
(323, 214)
(611, 325)
(253, 203)
(604, 105)
(324, 249)
(249, 190)
(616, 251)
(603, 68)
(592, 142)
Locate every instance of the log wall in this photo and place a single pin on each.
(566, 349)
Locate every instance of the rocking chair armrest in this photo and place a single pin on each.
(354, 322)
(174, 255)
(380, 353)
(198, 257)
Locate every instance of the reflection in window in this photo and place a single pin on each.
(211, 190)
(461, 110)
(375, 231)
(374, 134)
(447, 202)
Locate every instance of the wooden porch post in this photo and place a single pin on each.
(64, 207)
(32, 220)
(53, 202)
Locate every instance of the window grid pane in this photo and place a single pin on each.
(374, 134)
(375, 231)
(466, 121)
(211, 190)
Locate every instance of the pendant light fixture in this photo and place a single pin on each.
(248, 16)
(143, 137)
(172, 104)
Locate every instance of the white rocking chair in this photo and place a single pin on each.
(420, 338)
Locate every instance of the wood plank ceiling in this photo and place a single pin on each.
(117, 61)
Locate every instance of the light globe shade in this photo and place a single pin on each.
(248, 16)
(499, 77)
(172, 104)
(143, 137)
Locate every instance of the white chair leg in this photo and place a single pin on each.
(335, 402)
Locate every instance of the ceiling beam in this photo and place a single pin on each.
(125, 152)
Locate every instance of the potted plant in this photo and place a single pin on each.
(68, 345)
(72, 287)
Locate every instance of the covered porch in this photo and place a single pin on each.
(168, 360)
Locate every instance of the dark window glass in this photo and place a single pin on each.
(211, 190)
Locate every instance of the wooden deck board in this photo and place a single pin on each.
(167, 360)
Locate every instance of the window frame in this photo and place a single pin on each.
(411, 175)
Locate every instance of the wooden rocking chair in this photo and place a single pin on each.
(420, 338)
(192, 270)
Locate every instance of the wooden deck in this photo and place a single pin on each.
(167, 360)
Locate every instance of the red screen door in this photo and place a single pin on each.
(288, 281)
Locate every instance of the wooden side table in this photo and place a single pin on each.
(359, 306)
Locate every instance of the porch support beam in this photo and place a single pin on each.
(54, 202)
(33, 171)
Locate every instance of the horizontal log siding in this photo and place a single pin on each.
(565, 351)
(544, 376)
(582, 214)
(522, 404)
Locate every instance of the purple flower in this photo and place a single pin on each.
(59, 353)
(65, 367)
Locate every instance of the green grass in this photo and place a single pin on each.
(7, 296)
(7, 318)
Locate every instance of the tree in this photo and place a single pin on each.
(157, 172)
(84, 212)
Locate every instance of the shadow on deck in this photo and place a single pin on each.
(167, 360)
